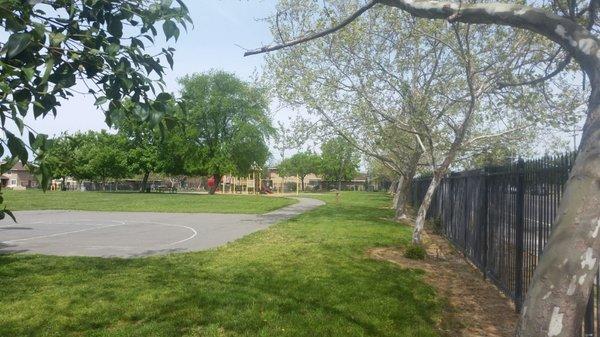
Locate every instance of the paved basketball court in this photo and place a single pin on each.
(132, 234)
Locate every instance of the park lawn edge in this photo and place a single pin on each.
(36, 200)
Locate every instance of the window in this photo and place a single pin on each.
(13, 182)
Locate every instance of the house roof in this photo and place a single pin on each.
(18, 167)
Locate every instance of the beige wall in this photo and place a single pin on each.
(20, 180)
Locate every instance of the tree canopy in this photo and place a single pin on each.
(226, 125)
(300, 164)
(54, 48)
(340, 160)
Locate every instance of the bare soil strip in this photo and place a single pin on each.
(474, 307)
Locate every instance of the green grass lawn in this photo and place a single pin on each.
(141, 202)
(308, 276)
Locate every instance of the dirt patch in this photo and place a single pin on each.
(474, 307)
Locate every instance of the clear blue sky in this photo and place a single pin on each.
(220, 28)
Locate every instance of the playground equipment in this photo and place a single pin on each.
(250, 184)
(253, 184)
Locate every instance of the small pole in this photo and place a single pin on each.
(484, 219)
(588, 321)
(520, 219)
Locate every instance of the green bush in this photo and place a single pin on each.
(415, 252)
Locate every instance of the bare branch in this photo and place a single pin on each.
(331, 30)
(561, 66)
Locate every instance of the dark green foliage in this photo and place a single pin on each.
(339, 160)
(53, 45)
(224, 125)
(94, 156)
(300, 164)
(415, 252)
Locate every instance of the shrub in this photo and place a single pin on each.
(415, 252)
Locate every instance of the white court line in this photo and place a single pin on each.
(20, 224)
(171, 225)
(120, 223)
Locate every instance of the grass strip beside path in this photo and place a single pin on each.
(142, 202)
(308, 276)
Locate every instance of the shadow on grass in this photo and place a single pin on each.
(304, 277)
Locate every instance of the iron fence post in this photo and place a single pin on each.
(484, 221)
(519, 231)
(588, 322)
(465, 216)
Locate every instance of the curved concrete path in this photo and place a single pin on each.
(132, 234)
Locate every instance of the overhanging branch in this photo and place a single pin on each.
(317, 35)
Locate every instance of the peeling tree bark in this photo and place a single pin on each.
(393, 187)
(402, 197)
(435, 182)
(405, 186)
(562, 282)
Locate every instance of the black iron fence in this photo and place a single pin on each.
(501, 218)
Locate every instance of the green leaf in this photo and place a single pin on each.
(57, 38)
(113, 49)
(19, 123)
(29, 73)
(22, 98)
(17, 147)
(101, 100)
(170, 60)
(10, 214)
(171, 30)
(48, 71)
(164, 97)
(4, 167)
(17, 42)
(115, 28)
(141, 111)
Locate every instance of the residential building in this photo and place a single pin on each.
(19, 178)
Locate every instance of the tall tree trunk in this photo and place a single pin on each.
(144, 187)
(403, 194)
(435, 182)
(302, 181)
(562, 282)
(339, 185)
(394, 188)
(64, 184)
(405, 185)
(213, 189)
(425, 203)
(395, 191)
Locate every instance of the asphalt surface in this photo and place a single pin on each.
(132, 234)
